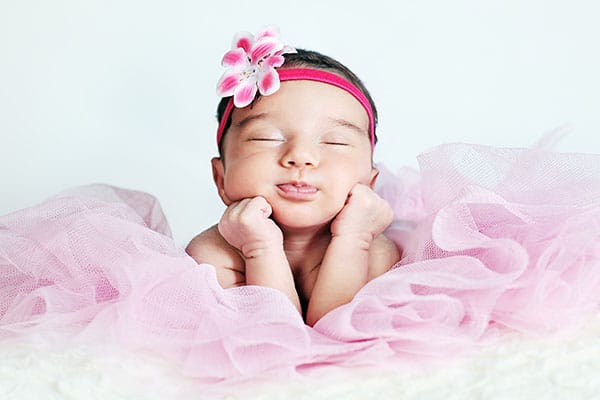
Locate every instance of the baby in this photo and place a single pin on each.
(295, 170)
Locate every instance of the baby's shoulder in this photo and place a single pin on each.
(211, 248)
(383, 254)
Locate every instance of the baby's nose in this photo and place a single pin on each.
(301, 156)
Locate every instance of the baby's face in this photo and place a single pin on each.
(302, 148)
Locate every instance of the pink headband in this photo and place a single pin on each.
(295, 74)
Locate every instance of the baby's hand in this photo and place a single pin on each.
(364, 216)
(247, 227)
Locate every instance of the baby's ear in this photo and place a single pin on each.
(218, 171)
(374, 175)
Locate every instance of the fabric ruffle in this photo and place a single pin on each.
(493, 240)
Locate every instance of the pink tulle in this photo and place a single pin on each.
(493, 239)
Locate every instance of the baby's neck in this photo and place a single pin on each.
(305, 250)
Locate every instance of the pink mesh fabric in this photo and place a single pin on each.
(493, 240)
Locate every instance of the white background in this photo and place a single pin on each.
(123, 92)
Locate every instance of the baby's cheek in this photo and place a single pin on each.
(241, 190)
(236, 194)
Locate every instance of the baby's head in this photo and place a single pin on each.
(306, 60)
(298, 131)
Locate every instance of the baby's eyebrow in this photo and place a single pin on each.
(250, 118)
(347, 124)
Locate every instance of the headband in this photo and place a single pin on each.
(317, 75)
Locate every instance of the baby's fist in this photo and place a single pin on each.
(246, 226)
(365, 215)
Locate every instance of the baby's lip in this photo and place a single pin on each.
(299, 190)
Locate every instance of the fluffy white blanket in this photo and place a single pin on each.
(516, 367)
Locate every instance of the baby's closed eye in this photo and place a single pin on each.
(336, 142)
(337, 139)
(264, 136)
(265, 139)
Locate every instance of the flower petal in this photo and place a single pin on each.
(263, 48)
(269, 31)
(235, 58)
(268, 81)
(228, 82)
(274, 61)
(244, 40)
(244, 93)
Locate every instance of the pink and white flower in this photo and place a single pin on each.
(251, 66)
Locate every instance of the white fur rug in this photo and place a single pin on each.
(564, 366)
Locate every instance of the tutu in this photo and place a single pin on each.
(492, 240)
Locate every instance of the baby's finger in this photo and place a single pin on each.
(261, 205)
(359, 190)
(235, 209)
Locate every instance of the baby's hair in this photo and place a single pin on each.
(312, 59)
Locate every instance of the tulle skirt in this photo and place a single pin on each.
(492, 240)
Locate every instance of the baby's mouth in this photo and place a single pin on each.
(298, 190)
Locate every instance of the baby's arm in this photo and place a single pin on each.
(246, 226)
(357, 252)
(209, 247)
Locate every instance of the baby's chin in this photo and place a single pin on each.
(287, 219)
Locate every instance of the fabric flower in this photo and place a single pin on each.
(251, 66)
